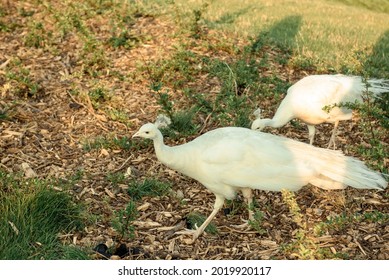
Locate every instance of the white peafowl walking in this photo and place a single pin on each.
(307, 99)
(231, 159)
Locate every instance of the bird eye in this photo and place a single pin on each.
(147, 132)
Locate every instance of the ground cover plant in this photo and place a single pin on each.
(78, 78)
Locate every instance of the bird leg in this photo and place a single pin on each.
(311, 133)
(248, 195)
(217, 206)
(333, 136)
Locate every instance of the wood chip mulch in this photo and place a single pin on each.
(45, 133)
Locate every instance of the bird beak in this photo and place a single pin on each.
(135, 135)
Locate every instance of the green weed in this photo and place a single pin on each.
(98, 95)
(175, 71)
(371, 112)
(182, 120)
(116, 178)
(125, 39)
(123, 221)
(195, 25)
(257, 222)
(117, 115)
(93, 56)
(340, 222)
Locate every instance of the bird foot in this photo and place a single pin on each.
(194, 233)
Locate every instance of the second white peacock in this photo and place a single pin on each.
(314, 100)
(231, 159)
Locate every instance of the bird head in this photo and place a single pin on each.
(258, 124)
(147, 131)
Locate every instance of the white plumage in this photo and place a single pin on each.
(230, 159)
(307, 98)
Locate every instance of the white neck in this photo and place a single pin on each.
(165, 154)
(159, 146)
(274, 122)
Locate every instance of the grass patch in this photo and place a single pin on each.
(33, 214)
(320, 33)
(109, 142)
(175, 71)
(147, 187)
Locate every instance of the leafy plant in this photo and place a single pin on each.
(196, 19)
(371, 112)
(182, 120)
(339, 222)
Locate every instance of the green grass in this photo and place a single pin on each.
(147, 187)
(33, 214)
(329, 34)
(374, 5)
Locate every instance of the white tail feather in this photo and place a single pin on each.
(339, 171)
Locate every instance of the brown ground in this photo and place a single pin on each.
(46, 130)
